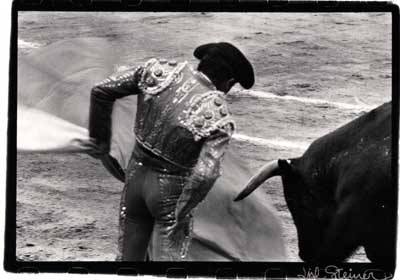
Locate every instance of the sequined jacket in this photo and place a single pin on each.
(181, 118)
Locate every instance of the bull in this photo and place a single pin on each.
(341, 192)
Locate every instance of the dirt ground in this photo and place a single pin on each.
(67, 205)
(63, 213)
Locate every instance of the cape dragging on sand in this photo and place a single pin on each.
(54, 84)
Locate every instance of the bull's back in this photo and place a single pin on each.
(372, 127)
(369, 133)
(358, 151)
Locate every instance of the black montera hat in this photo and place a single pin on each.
(241, 68)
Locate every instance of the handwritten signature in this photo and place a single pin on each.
(334, 272)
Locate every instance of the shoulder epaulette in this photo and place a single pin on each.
(158, 74)
(118, 80)
(207, 113)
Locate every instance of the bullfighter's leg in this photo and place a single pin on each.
(136, 222)
(161, 202)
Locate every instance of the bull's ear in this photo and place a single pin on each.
(285, 165)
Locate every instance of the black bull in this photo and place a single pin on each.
(341, 192)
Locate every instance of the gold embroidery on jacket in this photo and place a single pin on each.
(206, 113)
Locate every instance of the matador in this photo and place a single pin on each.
(182, 128)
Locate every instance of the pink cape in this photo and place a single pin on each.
(54, 85)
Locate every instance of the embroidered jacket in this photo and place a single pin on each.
(181, 118)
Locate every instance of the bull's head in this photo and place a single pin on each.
(309, 212)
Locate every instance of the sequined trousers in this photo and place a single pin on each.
(147, 210)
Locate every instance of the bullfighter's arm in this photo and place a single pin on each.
(102, 98)
(203, 177)
(205, 173)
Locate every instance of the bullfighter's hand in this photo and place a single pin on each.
(93, 149)
(180, 230)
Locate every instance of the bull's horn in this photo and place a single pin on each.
(269, 170)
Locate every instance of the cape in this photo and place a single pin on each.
(54, 84)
